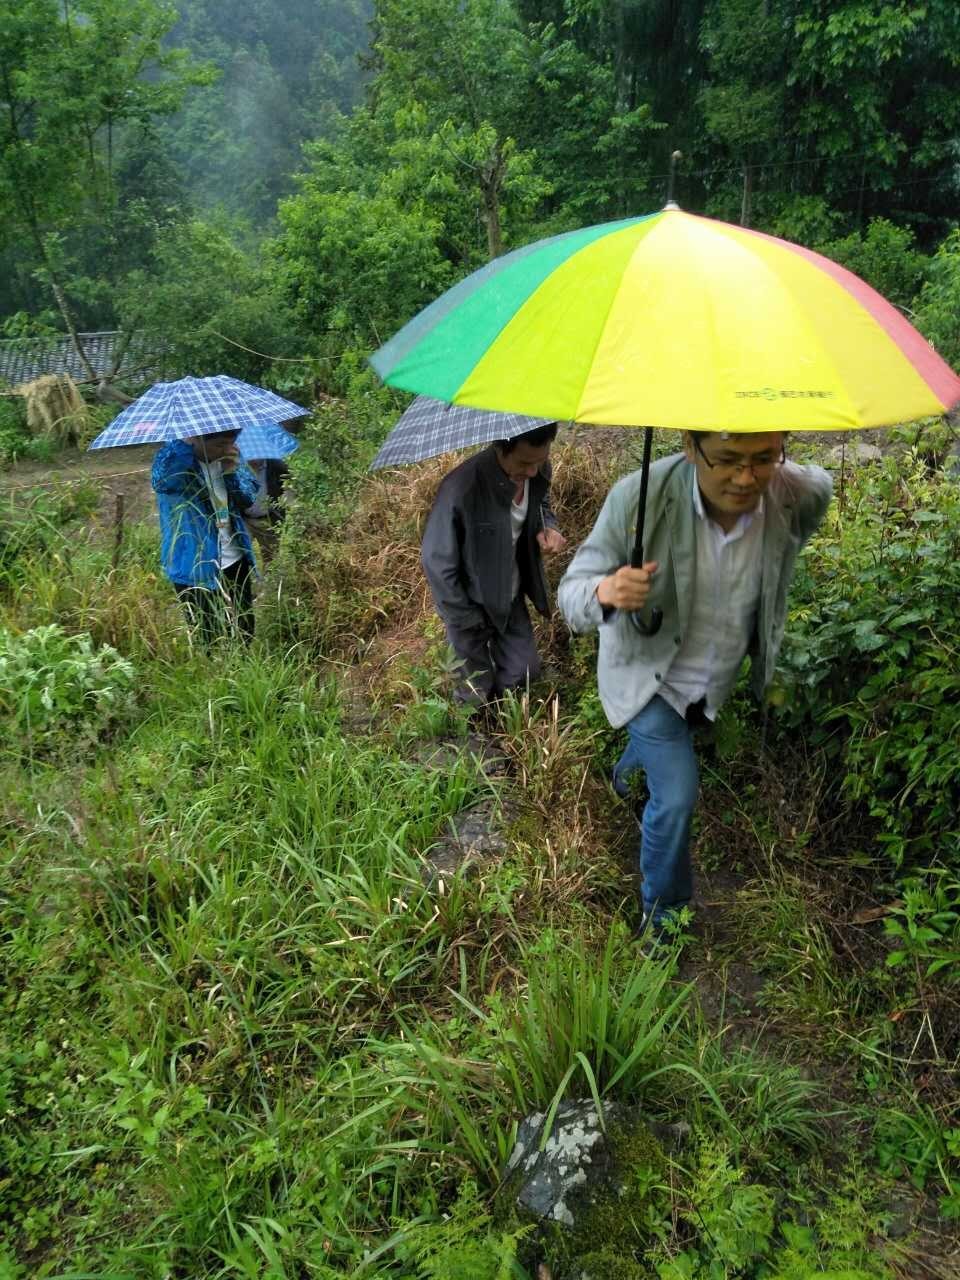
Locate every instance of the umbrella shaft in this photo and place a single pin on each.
(636, 559)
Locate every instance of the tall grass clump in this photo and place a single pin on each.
(54, 570)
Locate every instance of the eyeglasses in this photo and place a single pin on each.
(758, 468)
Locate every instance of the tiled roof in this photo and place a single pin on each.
(23, 359)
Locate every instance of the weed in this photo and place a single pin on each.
(926, 927)
(54, 687)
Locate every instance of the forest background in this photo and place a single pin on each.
(300, 178)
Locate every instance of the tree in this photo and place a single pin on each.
(355, 267)
(77, 79)
(216, 305)
(289, 70)
(832, 112)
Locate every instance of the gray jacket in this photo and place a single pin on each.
(630, 665)
(467, 550)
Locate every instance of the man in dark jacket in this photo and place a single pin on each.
(481, 554)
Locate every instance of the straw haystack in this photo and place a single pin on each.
(55, 408)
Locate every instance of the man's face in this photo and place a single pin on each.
(215, 447)
(741, 469)
(524, 460)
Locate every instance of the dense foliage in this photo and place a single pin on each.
(55, 687)
(869, 661)
(298, 180)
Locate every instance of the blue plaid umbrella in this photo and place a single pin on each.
(430, 427)
(196, 407)
(266, 442)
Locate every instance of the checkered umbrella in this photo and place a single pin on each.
(430, 427)
(196, 407)
(266, 442)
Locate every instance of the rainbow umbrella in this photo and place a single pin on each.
(675, 320)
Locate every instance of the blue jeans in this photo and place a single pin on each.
(660, 743)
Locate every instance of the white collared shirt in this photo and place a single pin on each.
(726, 596)
(230, 549)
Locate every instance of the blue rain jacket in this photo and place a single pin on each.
(189, 546)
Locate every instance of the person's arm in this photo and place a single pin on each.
(817, 487)
(441, 555)
(241, 485)
(549, 537)
(599, 579)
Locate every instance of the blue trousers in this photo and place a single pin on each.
(659, 742)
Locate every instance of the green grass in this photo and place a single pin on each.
(242, 1037)
(243, 1033)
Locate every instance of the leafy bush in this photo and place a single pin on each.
(336, 448)
(926, 928)
(869, 662)
(885, 257)
(53, 684)
(938, 307)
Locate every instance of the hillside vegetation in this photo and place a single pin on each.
(247, 1032)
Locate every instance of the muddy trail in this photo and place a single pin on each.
(115, 472)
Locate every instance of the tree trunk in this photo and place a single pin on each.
(491, 216)
(69, 321)
(491, 182)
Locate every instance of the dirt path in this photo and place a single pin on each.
(117, 471)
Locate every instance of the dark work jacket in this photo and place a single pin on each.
(467, 551)
(277, 473)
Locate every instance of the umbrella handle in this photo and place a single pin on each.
(648, 628)
(636, 558)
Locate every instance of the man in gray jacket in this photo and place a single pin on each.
(481, 554)
(724, 523)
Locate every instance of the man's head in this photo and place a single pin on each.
(214, 447)
(733, 470)
(523, 456)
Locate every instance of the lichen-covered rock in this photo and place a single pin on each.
(474, 836)
(573, 1152)
(590, 1185)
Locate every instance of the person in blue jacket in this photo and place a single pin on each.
(202, 490)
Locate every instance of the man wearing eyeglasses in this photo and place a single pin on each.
(725, 520)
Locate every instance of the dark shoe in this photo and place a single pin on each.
(661, 937)
(652, 937)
